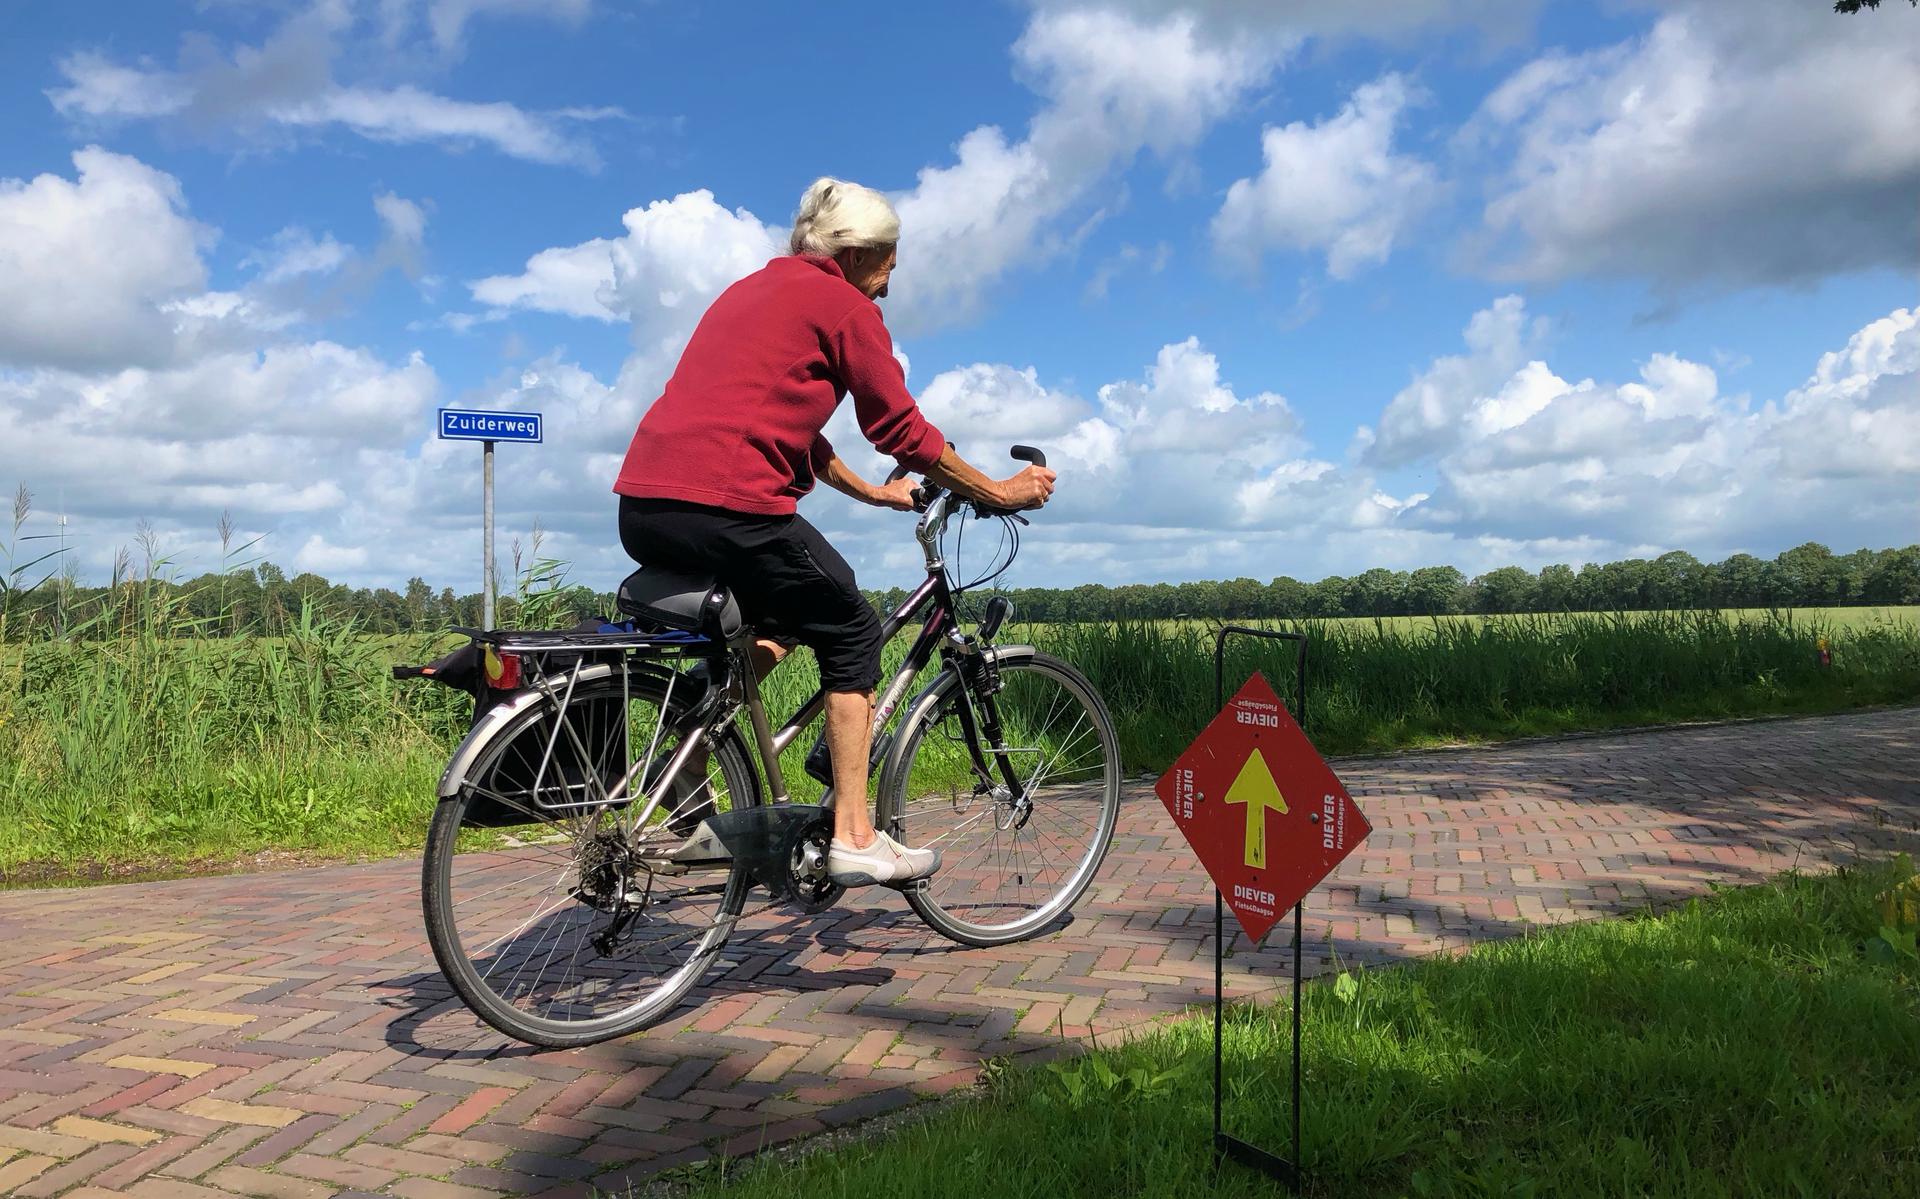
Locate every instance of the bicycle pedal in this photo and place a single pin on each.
(912, 886)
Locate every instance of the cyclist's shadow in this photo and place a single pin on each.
(778, 954)
(431, 1021)
(891, 930)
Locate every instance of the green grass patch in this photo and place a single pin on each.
(1752, 1043)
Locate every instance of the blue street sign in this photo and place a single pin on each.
(463, 424)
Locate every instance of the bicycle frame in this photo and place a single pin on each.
(939, 632)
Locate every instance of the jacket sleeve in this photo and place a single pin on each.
(819, 453)
(862, 354)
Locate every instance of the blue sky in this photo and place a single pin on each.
(1285, 288)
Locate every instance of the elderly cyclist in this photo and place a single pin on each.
(717, 463)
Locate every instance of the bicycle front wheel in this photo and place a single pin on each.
(551, 911)
(1016, 780)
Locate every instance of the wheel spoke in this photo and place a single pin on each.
(1008, 871)
(561, 930)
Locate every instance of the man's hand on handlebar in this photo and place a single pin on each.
(1031, 488)
(896, 494)
(1028, 489)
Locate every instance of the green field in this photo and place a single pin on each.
(1760, 1042)
(157, 751)
(1833, 618)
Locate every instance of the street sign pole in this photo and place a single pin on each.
(486, 537)
(488, 427)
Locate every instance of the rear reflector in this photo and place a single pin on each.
(503, 671)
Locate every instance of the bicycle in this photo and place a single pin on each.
(1006, 760)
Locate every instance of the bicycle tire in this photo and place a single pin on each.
(949, 903)
(472, 805)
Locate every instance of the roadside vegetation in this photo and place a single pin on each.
(1375, 686)
(161, 728)
(154, 748)
(1758, 1042)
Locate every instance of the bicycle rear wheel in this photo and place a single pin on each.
(554, 918)
(1020, 842)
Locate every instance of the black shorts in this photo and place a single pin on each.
(792, 586)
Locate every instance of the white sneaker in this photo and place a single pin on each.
(884, 861)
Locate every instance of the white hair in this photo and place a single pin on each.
(836, 215)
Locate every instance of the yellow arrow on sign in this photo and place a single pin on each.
(1254, 787)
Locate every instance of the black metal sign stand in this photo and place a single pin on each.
(1225, 1144)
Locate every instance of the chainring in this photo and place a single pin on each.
(810, 889)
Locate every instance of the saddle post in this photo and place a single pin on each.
(739, 649)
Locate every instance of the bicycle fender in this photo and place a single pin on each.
(491, 722)
(483, 731)
(918, 708)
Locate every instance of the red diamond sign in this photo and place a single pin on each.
(1261, 807)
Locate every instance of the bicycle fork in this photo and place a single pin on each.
(977, 677)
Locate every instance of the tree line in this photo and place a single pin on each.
(261, 598)
(1808, 575)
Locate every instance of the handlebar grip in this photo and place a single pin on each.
(1026, 453)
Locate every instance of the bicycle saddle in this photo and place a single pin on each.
(694, 603)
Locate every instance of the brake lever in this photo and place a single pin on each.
(980, 509)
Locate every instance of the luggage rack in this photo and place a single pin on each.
(624, 635)
(552, 664)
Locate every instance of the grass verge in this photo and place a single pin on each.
(1746, 1044)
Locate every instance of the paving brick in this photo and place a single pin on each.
(401, 1161)
(76, 1171)
(264, 1115)
(427, 1188)
(213, 1153)
(23, 1168)
(145, 1162)
(470, 1110)
(335, 1170)
(101, 1130)
(174, 1188)
(245, 1180)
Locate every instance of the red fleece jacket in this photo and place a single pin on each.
(738, 426)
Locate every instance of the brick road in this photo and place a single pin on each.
(286, 1034)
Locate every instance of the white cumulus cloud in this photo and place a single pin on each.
(1336, 186)
(90, 262)
(1111, 85)
(1731, 145)
(1666, 460)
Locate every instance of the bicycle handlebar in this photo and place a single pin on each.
(927, 492)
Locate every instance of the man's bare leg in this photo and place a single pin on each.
(849, 728)
(861, 854)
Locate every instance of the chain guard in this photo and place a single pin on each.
(772, 843)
